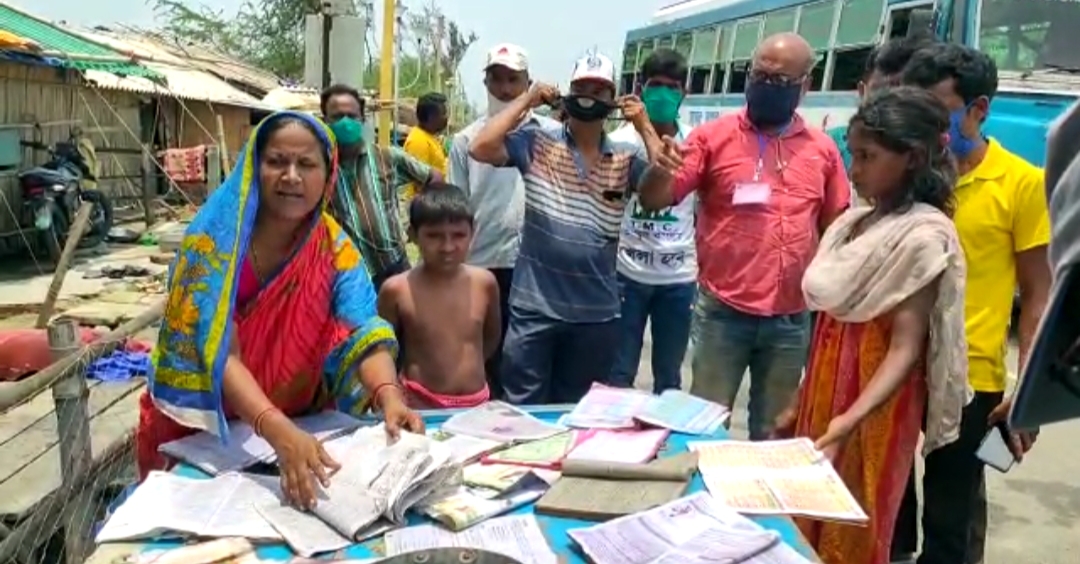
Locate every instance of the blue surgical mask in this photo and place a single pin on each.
(959, 144)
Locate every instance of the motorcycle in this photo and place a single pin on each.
(53, 192)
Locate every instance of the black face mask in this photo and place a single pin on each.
(772, 105)
(586, 108)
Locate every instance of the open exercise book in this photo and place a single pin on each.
(693, 529)
(776, 477)
(246, 449)
(377, 483)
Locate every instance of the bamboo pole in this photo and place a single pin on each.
(78, 227)
(223, 147)
(71, 396)
(386, 70)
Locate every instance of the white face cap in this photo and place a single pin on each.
(594, 67)
(508, 55)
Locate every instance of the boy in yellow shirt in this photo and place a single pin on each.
(1004, 227)
(423, 141)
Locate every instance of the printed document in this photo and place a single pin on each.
(776, 477)
(468, 506)
(516, 536)
(690, 529)
(604, 407)
(305, 533)
(170, 505)
(381, 480)
(499, 421)
(246, 449)
(465, 449)
(683, 413)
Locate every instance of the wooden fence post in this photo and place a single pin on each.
(71, 396)
(149, 187)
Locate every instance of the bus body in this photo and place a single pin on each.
(1037, 58)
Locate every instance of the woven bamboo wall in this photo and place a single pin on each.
(57, 100)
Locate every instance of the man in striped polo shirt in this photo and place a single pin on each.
(564, 302)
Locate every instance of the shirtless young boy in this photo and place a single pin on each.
(445, 313)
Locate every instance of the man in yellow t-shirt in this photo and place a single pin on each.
(423, 141)
(1001, 216)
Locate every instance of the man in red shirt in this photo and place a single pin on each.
(768, 184)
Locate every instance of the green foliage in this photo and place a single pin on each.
(270, 34)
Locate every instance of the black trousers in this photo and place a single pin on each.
(954, 496)
(504, 277)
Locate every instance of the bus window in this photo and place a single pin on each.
(899, 20)
(646, 50)
(817, 76)
(815, 24)
(739, 72)
(860, 21)
(724, 46)
(629, 68)
(701, 60)
(848, 68)
(779, 22)
(718, 76)
(747, 36)
(1030, 34)
(665, 42)
(683, 43)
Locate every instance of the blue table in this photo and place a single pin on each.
(554, 528)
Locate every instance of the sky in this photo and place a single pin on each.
(554, 32)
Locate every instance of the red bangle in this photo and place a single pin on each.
(256, 424)
(379, 388)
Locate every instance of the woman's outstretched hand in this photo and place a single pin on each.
(398, 416)
(839, 430)
(304, 463)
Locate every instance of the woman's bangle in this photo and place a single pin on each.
(375, 393)
(256, 423)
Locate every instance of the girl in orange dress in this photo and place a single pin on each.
(888, 347)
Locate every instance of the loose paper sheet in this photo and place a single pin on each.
(544, 453)
(499, 421)
(686, 523)
(776, 477)
(628, 446)
(684, 413)
(305, 533)
(465, 449)
(604, 407)
(245, 449)
(464, 508)
(169, 505)
(516, 536)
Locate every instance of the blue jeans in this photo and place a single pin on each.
(668, 306)
(547, 360)
(728, 341)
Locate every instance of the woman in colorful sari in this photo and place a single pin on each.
(888, 346)
(270, 314)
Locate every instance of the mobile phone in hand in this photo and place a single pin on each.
(994, 450)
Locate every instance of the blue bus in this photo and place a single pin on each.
(1036, 44)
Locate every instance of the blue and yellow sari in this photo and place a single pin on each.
(302, 335)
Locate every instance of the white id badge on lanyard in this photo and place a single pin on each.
(758, 191)
(750, 193)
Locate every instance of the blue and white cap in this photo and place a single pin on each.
(594, 66)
